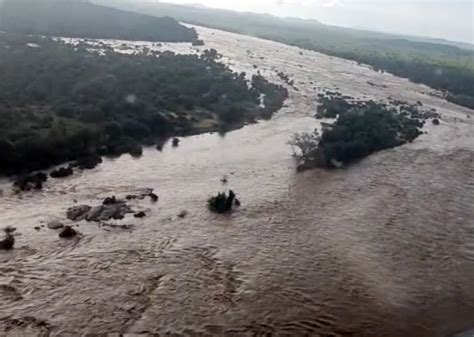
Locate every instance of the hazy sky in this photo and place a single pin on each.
(450, 19)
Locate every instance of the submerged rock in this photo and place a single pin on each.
(436, 121)
(153, 197)
(110, 201)
(140, 215)
(7, 243)
(67, 232)
(175, 142)
(55, 225)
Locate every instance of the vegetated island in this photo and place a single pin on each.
(359, 128)
(77, 18)
(442, 66)
(60, 102)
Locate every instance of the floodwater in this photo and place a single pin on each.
(384, 248)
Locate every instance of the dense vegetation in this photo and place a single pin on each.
(441, 66)
(74, 18)
(61, 102)
(360, 129)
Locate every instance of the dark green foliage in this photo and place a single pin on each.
(73, 18)
(222, 203)
(443, 66)
(363, 131)
(59, 103)
(361, 128)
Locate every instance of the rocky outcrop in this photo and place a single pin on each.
(31, 182)
(115, 211)
(62, 172)
(78, 213)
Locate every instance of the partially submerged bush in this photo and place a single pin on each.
(222, 203)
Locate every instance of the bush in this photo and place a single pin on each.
(222, 203)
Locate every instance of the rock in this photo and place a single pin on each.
(140, 215)
(110, 201)
(29, 182)
(237, 202)
(55, 225)
(88, 163)
(224, 180)
(197, 43)
(153, 197)
(183, 214)
(159, 147)
(175, 142)
(136, 151)
(8, 242)
(62, 172)
(78, 213)
(436, 121)
(37, 228)
(107, 212)
(67, 232)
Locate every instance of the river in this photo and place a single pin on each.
(384, 248)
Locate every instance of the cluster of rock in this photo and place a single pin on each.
(31, 182)
(36, 181)
(62, 172)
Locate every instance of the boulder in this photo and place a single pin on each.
(30, 182)
(8, 242)
(62, 172)
(153, 197)
(67, 232)
(140, 215)
(78, 213)
(110, 201)
(436, 121)
(55, 225)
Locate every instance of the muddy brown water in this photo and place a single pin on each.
(384, 248)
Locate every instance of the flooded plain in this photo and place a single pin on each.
(384, 248)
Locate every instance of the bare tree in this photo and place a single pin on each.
(305, 144)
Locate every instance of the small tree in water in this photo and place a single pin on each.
(222, 203)
(305, 144)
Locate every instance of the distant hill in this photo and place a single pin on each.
(440, 65)
(75, 18)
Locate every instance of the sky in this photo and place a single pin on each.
(448, 19)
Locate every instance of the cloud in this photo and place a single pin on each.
(332, 3)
